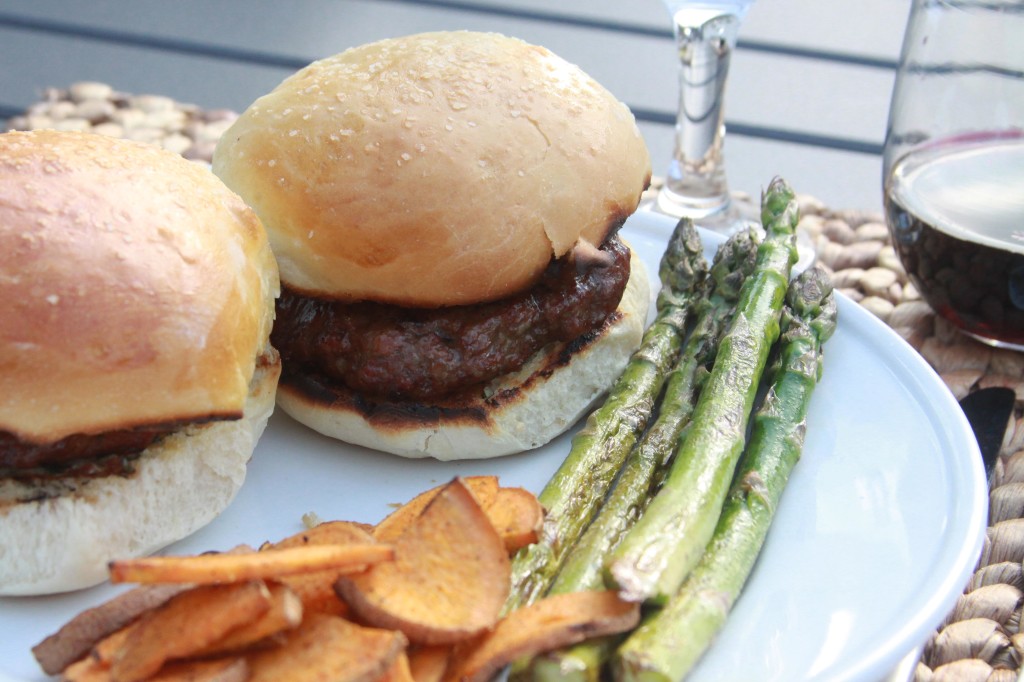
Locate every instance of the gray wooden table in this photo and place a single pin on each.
(808, 92)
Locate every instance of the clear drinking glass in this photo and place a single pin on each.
(953, 167)
(695, 183)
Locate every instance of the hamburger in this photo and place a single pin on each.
(136, 373)
(444, 209)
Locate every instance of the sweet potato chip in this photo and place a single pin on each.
(327, 533)
(87, 669)
(551, 623)
(398, 671)
(209, 569)
(76, 637)
(106, 649)
(187, 623)
(316, 589)
(517, 515)
(428, 663)
(220, 670)
(328, 648)
(285, 613)
(484, 488)
(449, 579)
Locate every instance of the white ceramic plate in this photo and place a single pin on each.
(876, 535)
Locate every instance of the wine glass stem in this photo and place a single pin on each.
(695, 185)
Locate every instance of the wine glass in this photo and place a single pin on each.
(953, 165)
(695, 185)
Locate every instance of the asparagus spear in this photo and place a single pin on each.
(576, 490)
(582, 568)
(640, 475)
(671, 641)
(667, 541)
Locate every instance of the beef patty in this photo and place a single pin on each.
(93, 455)
(78, 455)
(399, 353)
(83, 455)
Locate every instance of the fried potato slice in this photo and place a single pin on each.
(209, 569)
(106, 649)
(187, 623)
(515, 512)
(316, 589)
(398, 671)
(285, 613)
(428, 663)
(86, 669)
(326, 533)
(328, 648)
(218, 670)
(75, 638)
(449, 579)
(517, 515)
(484, 488)
(551, 623)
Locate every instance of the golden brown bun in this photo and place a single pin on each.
(134, 287)
(437, 169)
(525, 410)
(60, 538)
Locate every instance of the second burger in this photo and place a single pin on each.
(444, 209)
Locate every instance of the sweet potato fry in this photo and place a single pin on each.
(517, 515)
(449, 579)
(428, 663)
(187, 623)
(76, 637)
(106, 649)
(484, 488)
(551, 623)
(326, 533)
(86, 669)
(328, 648)
(230, 568)
(316, 589)
(398, 671)
(219, 670)
(285, 613)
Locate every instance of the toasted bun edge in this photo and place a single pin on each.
(527, 409)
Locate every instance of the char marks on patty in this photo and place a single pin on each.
(401, 353)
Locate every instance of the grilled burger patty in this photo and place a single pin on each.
(109, 453)
(406, 353)
(20, 459)
(81, 455)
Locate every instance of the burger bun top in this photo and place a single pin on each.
(135, 288)
(437, 169)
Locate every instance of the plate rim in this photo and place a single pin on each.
(969, 473)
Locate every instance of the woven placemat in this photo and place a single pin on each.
(980, 639)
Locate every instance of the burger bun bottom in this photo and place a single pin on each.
(521, 411)
(64, 540)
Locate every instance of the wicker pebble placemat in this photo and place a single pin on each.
(980, 640)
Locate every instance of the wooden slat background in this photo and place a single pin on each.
(808, 92)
